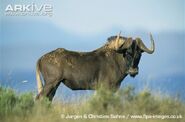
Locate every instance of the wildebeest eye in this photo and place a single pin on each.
(129, 52)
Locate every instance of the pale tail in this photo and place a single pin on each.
(39, 82)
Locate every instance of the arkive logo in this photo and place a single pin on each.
(29, 10)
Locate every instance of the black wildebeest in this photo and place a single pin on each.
(107, 65)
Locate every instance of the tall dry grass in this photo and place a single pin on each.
(126, 102)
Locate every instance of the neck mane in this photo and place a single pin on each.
(109, 45)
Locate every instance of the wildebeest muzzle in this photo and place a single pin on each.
(133, 71)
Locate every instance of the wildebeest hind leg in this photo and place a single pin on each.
(52, 92)
(49, 90)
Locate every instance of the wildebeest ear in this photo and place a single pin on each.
(119, 44)
(127, 43)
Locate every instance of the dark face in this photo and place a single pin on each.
(133, 55)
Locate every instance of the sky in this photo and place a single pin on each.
(91, 17)
(84, 16)
(85, 25)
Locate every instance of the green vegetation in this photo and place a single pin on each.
(23, 107)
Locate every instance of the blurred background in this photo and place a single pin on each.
(83, 25)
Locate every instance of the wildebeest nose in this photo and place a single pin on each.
(133, 71)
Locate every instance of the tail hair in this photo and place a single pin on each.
(39, 81)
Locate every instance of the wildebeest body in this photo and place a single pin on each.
(106, 66)
(83, 70)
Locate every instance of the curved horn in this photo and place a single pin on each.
(143, 47)
(117, 41)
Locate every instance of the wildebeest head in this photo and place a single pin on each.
(133, 54)
(131, 49)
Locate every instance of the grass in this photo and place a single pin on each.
(125, 103)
